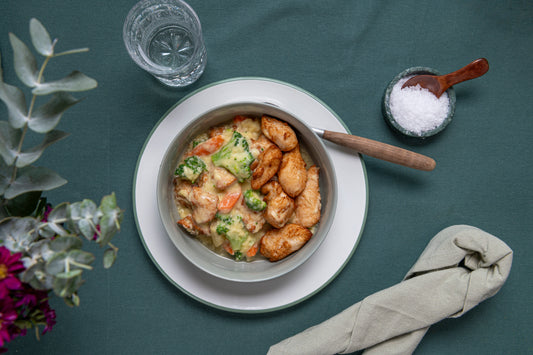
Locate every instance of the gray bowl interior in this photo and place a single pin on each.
(390, 118)
(201, 256)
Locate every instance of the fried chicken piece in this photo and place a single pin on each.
(222, 178)
(280, 206)
(190, 226)
(267, 166)
(279, 132)
(261, 144)
(292, 174)
(253, 221)
(308, 203)
(277, 244)
(202, 180)
(182, 192)
(204, 205)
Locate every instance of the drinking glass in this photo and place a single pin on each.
(164, 37)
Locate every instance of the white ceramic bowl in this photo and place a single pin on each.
(201, 256)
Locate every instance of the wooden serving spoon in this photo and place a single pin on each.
(439, 84)
(379, 150)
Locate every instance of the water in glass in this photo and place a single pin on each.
(165, 38)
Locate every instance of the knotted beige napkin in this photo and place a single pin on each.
(460, 267)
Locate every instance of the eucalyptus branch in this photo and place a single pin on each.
(22, 183)
(46, 243)
(51, 242)
(25, 128)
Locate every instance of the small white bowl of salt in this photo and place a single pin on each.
(414, 111)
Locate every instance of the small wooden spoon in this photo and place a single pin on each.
(439, 84)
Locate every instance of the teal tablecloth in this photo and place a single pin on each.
(344, 52)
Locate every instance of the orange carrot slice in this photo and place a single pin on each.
(227, 248)
(209, 146)
(253, 250)
(229, 200)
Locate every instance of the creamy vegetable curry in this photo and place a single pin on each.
(247, 188)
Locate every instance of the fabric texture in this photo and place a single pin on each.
(460, 267)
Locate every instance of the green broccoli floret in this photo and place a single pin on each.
(238, 255)
(254, 200)
(191, 168)
(232, 227)
(235, 156)
(225, 221)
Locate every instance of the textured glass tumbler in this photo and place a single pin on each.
(164, 37)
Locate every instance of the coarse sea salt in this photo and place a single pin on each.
(416, 109)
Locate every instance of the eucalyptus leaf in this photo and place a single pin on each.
(15, 101)
(18, 233)
(29, 273)
(47, 116)
(24, 62)
(37, 277)
(75, 81)
(47, 232)
(3, 214)
(39, 250)
(31, 155)
(5, 177)
(65, 287)
(80, 258)
(57, 263)
(9, 139)
(66, 261)
(110, 255)
(55, 220)
(108, 229)
(33, 178)
(40, 38)
(108, 203)
(87, 228)
(83, 218)
(65, 243)
(24, 205)
(110, 221)
(75, 299)
(70, 274)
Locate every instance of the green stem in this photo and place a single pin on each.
(81, 266)
(25, 128)
(112, 247)
(36, 331)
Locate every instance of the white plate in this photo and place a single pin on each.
(300, 283)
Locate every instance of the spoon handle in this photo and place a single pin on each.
(471, 71)
(381, 151)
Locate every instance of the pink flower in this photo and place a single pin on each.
(33, 305)
(10, 267)
(8, 315)
(95, 236)
(47, 209)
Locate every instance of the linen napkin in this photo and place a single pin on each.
(461, 266)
